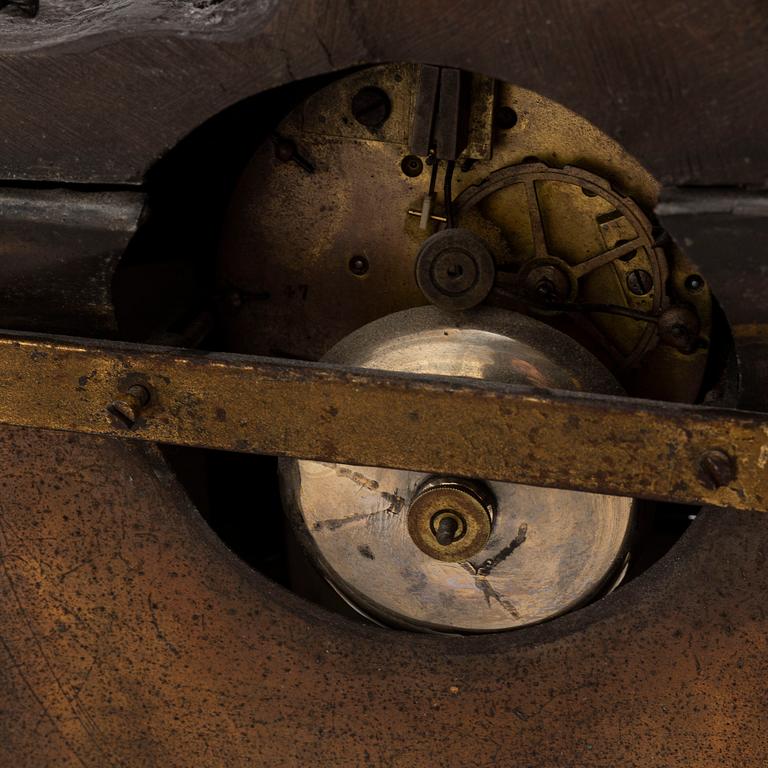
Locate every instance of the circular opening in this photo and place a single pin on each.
(506, 118)
(277, 317)
(371, 107)
(694, 283)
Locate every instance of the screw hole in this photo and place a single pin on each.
(371, 107)
(506, 118)
(694, 283)
(358, 265)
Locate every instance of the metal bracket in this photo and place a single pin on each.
(611, 445)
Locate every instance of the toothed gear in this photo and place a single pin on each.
(612, 234)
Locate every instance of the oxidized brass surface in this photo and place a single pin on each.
(547, 551)
(451, 520)
(292, 235)
(132, 637)
(549, 438)
(574, 222)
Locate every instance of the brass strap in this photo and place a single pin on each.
(639, 448)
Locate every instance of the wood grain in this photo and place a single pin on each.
(99, 97)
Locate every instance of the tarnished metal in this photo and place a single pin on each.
(127, 408)
(521, 554)
(157, 644)
(571, 239)
(132, 637)
(580, 212)
(299, 298)
(570, 440)
(451, 520)
(455, 270)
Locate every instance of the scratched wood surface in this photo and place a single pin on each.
(99, 91)
(131, 636)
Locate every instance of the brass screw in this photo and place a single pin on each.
(446, 529)
(639, 282)
(358, 265)
(716, 469)
(125, 411)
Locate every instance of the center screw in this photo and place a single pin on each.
(450, 519)
(447, 528)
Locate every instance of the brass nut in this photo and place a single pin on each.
(455, 270)
(451, 520)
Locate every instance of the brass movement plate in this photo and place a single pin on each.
(308, 258)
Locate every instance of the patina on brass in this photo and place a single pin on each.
(450, 520)
(132, 637)
(543, 188)
(572, 220)
(604, 444)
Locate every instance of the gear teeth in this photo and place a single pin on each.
(598, 181)
(503, 177)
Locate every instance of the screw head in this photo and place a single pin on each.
(546, 290)
(358, 265)
(546, 284)
(125, 410)
(639, 282)
(716, 469)
(694, 283)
